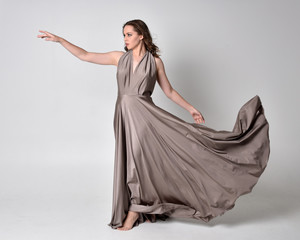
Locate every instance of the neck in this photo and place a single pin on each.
(139, 51)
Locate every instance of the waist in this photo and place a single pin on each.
(146, 96)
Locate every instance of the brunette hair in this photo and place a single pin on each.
(141, 28)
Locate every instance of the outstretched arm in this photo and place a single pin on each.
(109, 58)
(172, 94)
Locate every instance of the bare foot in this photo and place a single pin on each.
(129, 221)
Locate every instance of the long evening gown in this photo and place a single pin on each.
(172, 168)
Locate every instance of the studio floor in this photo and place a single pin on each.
(69, 203)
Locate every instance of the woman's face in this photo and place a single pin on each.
(131, 37)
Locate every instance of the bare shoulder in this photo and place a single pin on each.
(117, 55)
(159, 63)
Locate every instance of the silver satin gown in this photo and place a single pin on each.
(172, 168)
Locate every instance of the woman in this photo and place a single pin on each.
(165, 166)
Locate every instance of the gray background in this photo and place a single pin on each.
(56, 125)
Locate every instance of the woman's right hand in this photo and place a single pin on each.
(48, 36)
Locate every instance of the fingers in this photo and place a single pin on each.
(200, 119)
(43, 36)
(46, 35)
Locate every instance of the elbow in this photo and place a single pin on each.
(169, 93)
(83, 56)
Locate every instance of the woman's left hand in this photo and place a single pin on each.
(197, 116)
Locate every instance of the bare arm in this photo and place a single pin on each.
(109, 58)
(172, 94)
